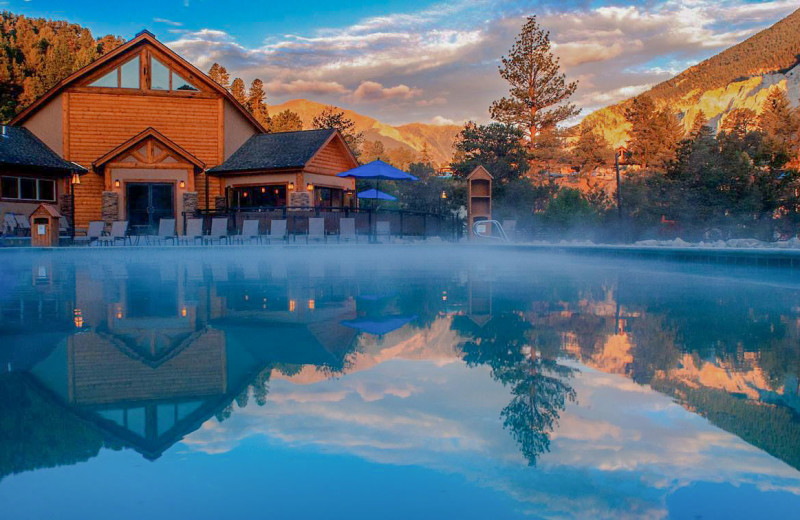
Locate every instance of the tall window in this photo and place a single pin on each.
(27, 188)
(328, 197)
(124, 76)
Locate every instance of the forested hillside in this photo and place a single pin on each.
(774, 49)
(36, 53)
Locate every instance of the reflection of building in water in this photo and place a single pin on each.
(158, 350)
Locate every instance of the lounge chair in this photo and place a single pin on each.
(63, 227)
(194, 230)
(9, 224)
(93, 234)
(383, 230)
(249, 231)
(347, 229)
(219, 231)
(119, 231)
(166, 230)
(316, 230)
(277, 231)
(23, 224)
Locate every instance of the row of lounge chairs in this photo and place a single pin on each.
(219, 233)
(18, 225)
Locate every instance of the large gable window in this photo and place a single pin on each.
(164, 78)
(124, 76)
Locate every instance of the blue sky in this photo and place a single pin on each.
(428, 61)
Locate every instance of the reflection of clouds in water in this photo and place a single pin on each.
(622, 440)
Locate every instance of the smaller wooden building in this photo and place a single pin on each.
(32, 174)
(296, 169)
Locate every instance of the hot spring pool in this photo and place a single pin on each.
(395, 383)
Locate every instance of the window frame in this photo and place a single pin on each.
(38, 181)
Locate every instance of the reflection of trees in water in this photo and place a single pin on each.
(525, 360)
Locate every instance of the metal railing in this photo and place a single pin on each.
(402, 223)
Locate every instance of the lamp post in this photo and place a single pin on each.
(442, 198)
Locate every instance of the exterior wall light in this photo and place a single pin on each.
(291, 186)
(116, 183)
(310, 187)
(444, 194)
(182, 184)
(76, 179)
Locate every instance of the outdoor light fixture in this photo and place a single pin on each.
(182, 184)
(292, 305)
(311, 305)
(444, 194)
(116, 183)
(183, 312)
(76, 179)
(310, 187)
(291, 185)
(77, 318)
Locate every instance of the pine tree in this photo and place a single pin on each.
(257, 103)
(220, 75)
(739, 122)
(653, 135)
(780, 125)
(238, 92)
(425, 154)
(332, 117)
(286, 121)
(372, 150)
(538, 90)
(591, 149)
(497, 147)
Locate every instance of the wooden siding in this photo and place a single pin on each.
(332, 159)
(99, 373)
(98, 122)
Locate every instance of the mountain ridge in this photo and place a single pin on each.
(741, 76)
(410, 136)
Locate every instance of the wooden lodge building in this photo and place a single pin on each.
(153, 137)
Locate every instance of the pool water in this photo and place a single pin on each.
(395, 382)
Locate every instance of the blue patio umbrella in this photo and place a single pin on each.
(375, 194)
(378, 170)
(378, 326)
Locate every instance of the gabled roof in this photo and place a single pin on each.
(143, 38)
(279, 151)
(20, 148)
(149, 133)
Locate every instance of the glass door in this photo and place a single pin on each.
(148, 203)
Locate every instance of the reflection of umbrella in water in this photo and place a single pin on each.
(375, 194)
(378, 326)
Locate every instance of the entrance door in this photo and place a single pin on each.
(148, 203)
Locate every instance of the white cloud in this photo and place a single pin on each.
(451, 51)
(370, 91)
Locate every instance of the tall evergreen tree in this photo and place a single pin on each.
(654, 134)
(257, 103)
(495, 146)
(287, 121)
(332, 117)
(538, 94)
(220, 75)
(591, 149)
(238, 91)
(780, 125)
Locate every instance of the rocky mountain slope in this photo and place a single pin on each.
(412, 136)
(739, 77)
